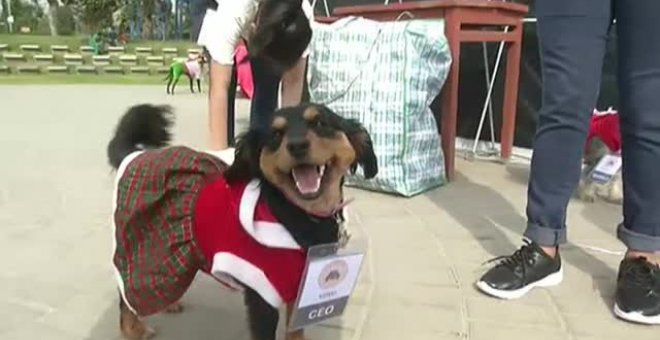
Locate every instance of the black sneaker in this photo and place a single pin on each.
(638, 291)
(514, 276)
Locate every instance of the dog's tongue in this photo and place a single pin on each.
(307, 178)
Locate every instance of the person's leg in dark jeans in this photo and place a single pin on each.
(638, 289)
(266, 90)
(572, 38)
(572, 35)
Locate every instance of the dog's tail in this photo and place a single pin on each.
(142, 126)
(170, 74)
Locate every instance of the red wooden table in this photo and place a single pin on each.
(465, 21)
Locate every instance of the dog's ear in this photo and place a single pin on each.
(359, 138)
(246, 160)
(363, 146)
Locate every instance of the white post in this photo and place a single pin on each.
(10, 18)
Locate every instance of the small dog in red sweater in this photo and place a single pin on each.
(604, 138)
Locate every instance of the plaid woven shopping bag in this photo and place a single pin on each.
(386, 75)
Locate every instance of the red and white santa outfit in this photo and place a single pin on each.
(175, 214)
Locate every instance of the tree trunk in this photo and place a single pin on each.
(148, 19)
(52, 16)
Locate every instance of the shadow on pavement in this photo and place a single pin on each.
(210, 313)
(477, 207)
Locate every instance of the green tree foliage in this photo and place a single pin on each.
(65, 21)
(26, 14)
(95, 14)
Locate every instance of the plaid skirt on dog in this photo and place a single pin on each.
(156, 256)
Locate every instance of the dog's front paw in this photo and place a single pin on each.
(586, 191)
(588, 197)
(174, 308)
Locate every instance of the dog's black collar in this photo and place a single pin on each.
(306, 229)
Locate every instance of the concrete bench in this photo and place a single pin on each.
(170, 51)
(140, 70)
(116, 50)
(73, 59)
(4, 69)
(86, 49)
(162, 70)
(144, 50)
(59, 48)
(30, 48)
(34, 69)
(155, 60)
(14, 57)
(86, 69)
(57, 69)
(44, 58)
(101, 60)
(128, 60)
(4, 47)
(194, 52)
(113, 70)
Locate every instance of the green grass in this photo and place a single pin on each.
(14, 40)
(70, 79)
(74, 42)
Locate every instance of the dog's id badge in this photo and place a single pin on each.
(328, 280)
(606, 168)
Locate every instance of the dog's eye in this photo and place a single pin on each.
(318, 124)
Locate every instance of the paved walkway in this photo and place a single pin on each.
(424, 252)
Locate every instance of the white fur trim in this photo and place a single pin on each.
(120, 172)
(267, 233)
(227, 264)
(226, 155)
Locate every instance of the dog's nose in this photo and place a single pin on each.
(298, 148)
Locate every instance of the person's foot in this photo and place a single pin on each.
(515, 275)
(638, 291)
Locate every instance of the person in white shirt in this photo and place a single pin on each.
(277, 34)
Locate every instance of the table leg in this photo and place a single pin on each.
(449, 109)
(511, 94)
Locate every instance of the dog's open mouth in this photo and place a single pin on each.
(308, 179)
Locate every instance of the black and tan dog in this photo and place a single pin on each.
(248, 224)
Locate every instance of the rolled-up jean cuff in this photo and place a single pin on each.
(636, 241)
(543, 236)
